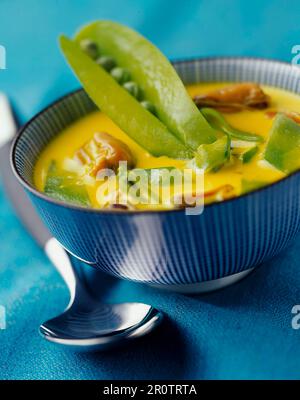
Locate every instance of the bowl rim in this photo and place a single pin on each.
(56, 202)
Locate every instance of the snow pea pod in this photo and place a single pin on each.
(62, 186)
(121, 107)
(283, 147)
(212, 156)
(156, 76)
(217, 120)
(248, 154)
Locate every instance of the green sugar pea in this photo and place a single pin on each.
(90, 48)
(106, 62)
(148, 106)
(121, 75)
(132, 88)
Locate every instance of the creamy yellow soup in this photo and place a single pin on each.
(256, 121)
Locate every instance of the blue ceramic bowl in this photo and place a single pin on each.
(169, 248)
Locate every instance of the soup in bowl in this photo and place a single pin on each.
(246, 158)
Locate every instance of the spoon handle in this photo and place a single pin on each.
(22, 205)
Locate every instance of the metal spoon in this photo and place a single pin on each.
(86, 323)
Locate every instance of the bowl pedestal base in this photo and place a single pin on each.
(205, 287)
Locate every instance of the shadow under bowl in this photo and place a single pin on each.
(169, 249)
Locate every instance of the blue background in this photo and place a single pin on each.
(241, 332)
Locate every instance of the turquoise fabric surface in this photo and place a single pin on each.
(241, 332)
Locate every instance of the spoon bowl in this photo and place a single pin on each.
(100, 326)
(87, 322)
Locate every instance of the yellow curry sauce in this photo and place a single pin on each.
(255, 121)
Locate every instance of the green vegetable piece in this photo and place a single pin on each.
(157, 78)
(213, 156)
(121, 75)
(217, 121)
(63, 187)
(148, 106)
(106, 62)
(121, 107)
(248, 186)
(132, 88)
(247, 155)
(90, 48)
(283, 147)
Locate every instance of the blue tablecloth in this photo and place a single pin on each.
(241, 332)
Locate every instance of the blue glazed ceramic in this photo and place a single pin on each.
(170, 248)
